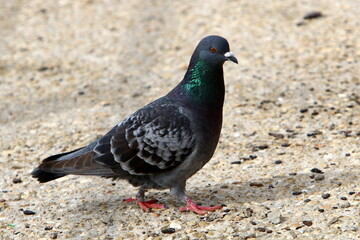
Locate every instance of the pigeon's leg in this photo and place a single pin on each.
(144, 205)
(191, 206)
(179, 191)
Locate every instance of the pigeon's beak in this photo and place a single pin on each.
(230, 56)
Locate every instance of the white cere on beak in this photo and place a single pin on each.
(229, 54)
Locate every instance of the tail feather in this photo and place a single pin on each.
(43, 176)
(60, 155)
(78, 162)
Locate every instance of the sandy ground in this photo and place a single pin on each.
(70, 70)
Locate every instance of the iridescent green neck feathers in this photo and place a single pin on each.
(204, 84)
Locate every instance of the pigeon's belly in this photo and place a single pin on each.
(181, 173)
(205, 148)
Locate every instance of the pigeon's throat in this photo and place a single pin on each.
(205, 84)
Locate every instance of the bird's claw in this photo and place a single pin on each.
(146, 205)
(191, 206)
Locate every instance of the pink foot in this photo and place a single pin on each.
(191, 206)
(145, 205)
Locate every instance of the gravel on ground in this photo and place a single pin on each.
(288, 162)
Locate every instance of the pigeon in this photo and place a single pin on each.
(164, 143)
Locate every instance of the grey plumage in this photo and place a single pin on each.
(164, 143)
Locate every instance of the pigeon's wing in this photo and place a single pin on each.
(152, 140)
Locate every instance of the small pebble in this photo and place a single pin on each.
(307, 200)
(275, 217)
(316, 170)
(242, 159)
(346, 133)
(343, 198)
(337, 183)
(321, 210)
(307, 223)
(304, 110)
(285, 145)
(345, 205)
(175, 225)
(296, 193)
(250, 236)
(334, 220)
(256, 184)
(28, 212)
(48, 228)
(277, 135)
(298, 227)
(168, 230)
(319, 177)
(325, 195)
(135, 95)
(292, 233)
(236, 162)
(248, 212)
(17, 180)
(278, 162)
(252, 157)
(269, 231)
(347, 154)
(261, 229)
(351, 193)
(259, 147)
(42, 69)
(53, 235)
(314, 133)
(314, 113)
(312, 15)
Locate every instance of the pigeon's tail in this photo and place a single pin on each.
(77, 162)
(43, 176)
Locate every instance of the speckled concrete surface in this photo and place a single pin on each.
(70, 70)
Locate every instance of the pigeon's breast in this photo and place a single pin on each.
(206, 134)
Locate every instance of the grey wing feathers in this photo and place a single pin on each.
(153, 140)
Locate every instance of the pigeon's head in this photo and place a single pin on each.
(214, 50)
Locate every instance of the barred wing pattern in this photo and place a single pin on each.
(152, 140)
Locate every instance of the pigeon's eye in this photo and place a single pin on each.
(213, 50)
